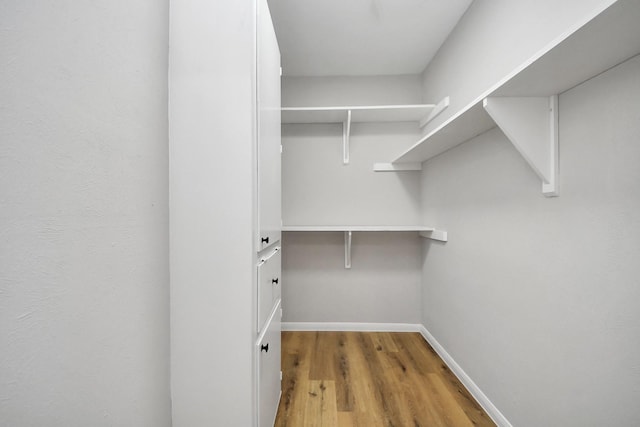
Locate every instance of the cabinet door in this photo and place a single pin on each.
(276, 285)
(269, 282)
(269, 386)
(268, 99)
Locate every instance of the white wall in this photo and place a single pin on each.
(84, 277)
(536, 298)
(318, 189)
(212, 67)
(508, 287)
(363, 90)
(383, 285)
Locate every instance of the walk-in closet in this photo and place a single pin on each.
(304, 213)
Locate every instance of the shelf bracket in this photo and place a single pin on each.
(531, 124)
(438, 235)
(439, 108)
(346, 135)
(347, 249)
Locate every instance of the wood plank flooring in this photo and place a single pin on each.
(368, 379)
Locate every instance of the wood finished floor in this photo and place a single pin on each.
(370, 379)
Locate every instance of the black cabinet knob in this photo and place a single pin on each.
(274, 281)
(265, 348)
(265, 240)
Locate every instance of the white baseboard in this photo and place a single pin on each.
(351, 327)
(475, 391)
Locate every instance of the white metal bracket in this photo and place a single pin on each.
(346, 135)
(438, 235)
(531, 124)
(347, 249)
(439, 108)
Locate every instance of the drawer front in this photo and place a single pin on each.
(269, 385)
(269, 283)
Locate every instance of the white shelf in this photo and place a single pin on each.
(423, 231)
(464, 125)
(356, 228)
(419, 113)
(608, 37)
(359, 114)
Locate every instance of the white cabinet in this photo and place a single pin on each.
(269, 214)
(268, 356)
(224, 144)
(268, 98)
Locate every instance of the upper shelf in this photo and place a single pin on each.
(421, 113)
(608, 37)
(377, 113)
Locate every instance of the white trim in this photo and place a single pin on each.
(475, 391)
(351, 327)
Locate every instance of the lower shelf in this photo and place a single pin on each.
(423, 231)
(356, 228)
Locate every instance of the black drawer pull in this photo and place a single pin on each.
(274, 281)
(264, 348)
(265, 240)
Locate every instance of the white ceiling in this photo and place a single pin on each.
(362, 37)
